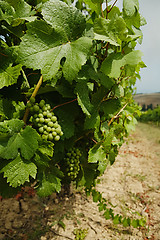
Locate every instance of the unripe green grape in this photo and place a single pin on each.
(39, 125)
(31, 109)
(44, 113)
(37, 119)
(53, 118)
(35, 115)
(42, 103)
(58, 130)
(40, 115)
(44, 108)
(49, 115)
(48, 106)
(41, 129)
(54, 134)
(57, 138)
(50, 137)
(36, 108)
(47, 120)
(41, 120)
(45, 132)
(56, 125)
(48, 129)
(45, 126)
(53, 129)
(61, 134)
(50, 124)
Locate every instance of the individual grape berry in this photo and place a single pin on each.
(50, 124)
(42, 103)
(45, 113)
(47, 120)
(35, 108)
(40, 115)
(49, 115)
(50, 137)
(41, 129)
(48, 129)
(48, 106)
(37, 119)
(53, 118)
(41, 120)
(56, 125)
(57, 138)
(54, 134)
(58, 130)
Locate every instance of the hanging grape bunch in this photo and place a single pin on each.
(44, 120)
(71, 163)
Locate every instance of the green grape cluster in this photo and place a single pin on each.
(45, 121)
(72, 163)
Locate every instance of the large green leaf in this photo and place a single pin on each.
(24, 141)
(112, 65)
(112, 31)
(44, 47)
(69, 21)
(18, 171)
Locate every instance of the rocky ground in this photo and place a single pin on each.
(131, 185)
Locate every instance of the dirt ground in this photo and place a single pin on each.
(132, 185)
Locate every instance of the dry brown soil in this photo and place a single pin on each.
(132, 185)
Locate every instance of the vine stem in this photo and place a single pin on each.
(102, 11)
(114, 117)
(112, 6)
(25, 117)
(64, 104)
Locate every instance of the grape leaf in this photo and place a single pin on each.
(67, 20)
(83, 98)
(50, 183)
(96, 154)
(110, 106)
(18, 171)
(112, 65)
(43, 47)
(25, 141)
(130, 7)
(8, 73)
(112, 31)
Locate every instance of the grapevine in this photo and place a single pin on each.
(71, 125)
